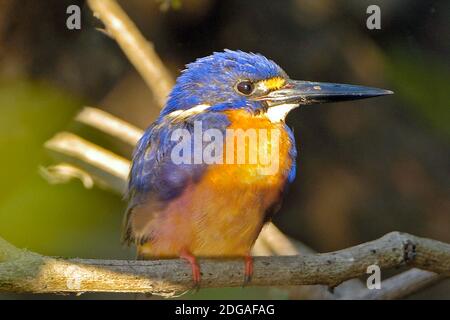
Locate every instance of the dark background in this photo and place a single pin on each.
(365, 168)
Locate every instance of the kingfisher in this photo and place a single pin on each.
(183, 204)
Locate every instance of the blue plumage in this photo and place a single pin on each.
(152, 169)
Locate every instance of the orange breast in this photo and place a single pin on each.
(223, 213)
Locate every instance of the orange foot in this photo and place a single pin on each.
(196, 276)
(248, 269)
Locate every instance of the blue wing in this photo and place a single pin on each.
(153, 173)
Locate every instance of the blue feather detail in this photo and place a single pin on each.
(153, 171)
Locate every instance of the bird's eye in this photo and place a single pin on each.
(245, 87)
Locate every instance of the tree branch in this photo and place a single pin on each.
(23, 271)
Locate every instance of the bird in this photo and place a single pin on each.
(184, 205)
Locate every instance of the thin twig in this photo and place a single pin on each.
(138, 50)
(399, 286)
(64, 173)
(107, 169)
(281, 244)
(109, 124)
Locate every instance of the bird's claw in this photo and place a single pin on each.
(196, 274)
(248, 270)
(247, 279)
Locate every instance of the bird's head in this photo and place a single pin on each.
(239, 80)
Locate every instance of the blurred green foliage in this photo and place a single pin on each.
(424, 83)
(33, 214)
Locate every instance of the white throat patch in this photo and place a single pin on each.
(279, 113)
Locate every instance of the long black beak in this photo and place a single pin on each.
(306, 92)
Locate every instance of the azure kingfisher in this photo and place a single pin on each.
(196, 209)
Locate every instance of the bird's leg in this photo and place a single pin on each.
(186, 255)
(248, 273)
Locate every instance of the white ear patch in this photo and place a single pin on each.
(189, 112)
(278, 113)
